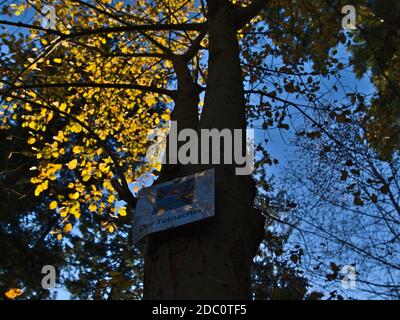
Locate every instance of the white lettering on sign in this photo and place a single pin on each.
(174, 203)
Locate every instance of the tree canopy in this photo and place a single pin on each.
(82, 93)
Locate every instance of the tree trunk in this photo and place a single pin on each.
(211, 259)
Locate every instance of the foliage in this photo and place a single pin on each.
(376, 50)
(79, 101)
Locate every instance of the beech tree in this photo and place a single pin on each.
(105, 122)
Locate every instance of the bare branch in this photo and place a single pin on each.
(116, 29)
(194, 48)
(137, 28)
(29, 26)
(170, 93)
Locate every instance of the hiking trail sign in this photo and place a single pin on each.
(174, 203)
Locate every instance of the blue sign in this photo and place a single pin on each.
(175, 203)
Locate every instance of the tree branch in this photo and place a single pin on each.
(298, 106)
(117, 29)
(106, 54)
(164, 49)
(137, 28)
(170, 93)
(244, 15)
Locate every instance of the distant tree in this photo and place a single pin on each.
(376, 51)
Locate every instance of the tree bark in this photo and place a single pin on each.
(211, 259)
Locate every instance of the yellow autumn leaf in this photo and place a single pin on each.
(53, 205)
(59, 237)
(31, 140)
(122, 211)
(76, 149)
(72, 164)
(41, 187)
(63, 212)
(32, 125)
(57, 60)
(35, 180)
(63, 107)
(111, 198)
(168, 64)
(32, 94)
(67, 228)
(150, 100)
(13, 293)
(92, 207)
(75, 210)
(59, 137)
(111, 229)
(74, 196)
(76, 128)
